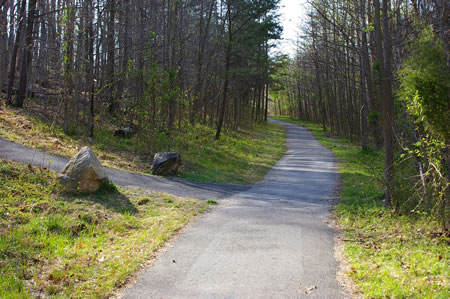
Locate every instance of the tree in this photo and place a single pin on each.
(3, 42)
(342, 77)
(388, 105)
(91, 59)
(248, 17)
(425, 83)
(27, 55)
(13, 63)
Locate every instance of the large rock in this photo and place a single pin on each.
(166, 163)
(83, 172)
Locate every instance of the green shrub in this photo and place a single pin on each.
(425, 86)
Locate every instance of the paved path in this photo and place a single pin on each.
(17, 152)
(271, 241)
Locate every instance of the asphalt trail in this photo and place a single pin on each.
(271, 241)
(17, 152)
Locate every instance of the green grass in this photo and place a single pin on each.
(237, 157)
(391, 255)
(68, 245)
(242, 157)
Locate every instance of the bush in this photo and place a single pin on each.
(425, 86)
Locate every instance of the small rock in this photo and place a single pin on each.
(125, 132)
(310, 289)
(166, 163)
(83, 172)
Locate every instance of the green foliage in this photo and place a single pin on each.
(425, 87)
(421, 184)
(425, 83)
(280, 83)
(151, 112)
(280, 74)
(370, 28)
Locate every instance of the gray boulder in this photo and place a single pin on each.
(125, 132)
(83, 172)
(166, 163)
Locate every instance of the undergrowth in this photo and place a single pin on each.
(242, 157)
(391, 254)
(59, 244)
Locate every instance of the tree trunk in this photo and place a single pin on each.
(226, 75)
(379, 63)
(90, 66)
(3, 43)
(68, 61)
(388, 106)
(27, 56)
(364, 78)
(113, 104)
(12, 66)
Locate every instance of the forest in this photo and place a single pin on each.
(366, 177)
(377, 73)
(155, 66)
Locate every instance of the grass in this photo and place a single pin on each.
(242, 157)
(57, 244)
(237, 157)
(391, 255)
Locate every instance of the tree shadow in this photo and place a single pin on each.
(110, 199)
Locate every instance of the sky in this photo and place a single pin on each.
(292, 13)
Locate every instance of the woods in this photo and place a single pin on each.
(344, 192)
(155, 66)
(377, 73)
(373, 71)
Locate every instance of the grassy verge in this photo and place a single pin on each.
(70, 245)
(391, 255)
(238, 157)
(242, 157)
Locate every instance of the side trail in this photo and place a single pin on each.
(17, 152)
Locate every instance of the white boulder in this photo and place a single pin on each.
(83, 172)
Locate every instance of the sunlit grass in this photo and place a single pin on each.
(68, 245)
(238, 157)
(391, 255)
